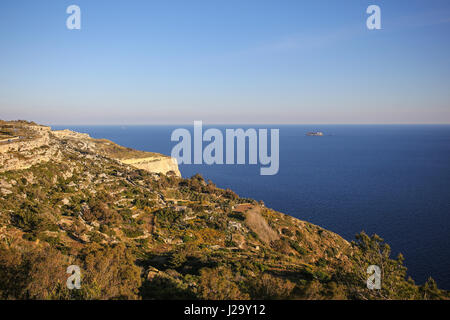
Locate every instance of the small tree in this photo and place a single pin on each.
(374, 251)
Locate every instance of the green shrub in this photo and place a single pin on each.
(298, 248)
(29, 237)
(133, 232)
(322, 276)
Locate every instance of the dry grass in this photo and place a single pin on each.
(115, 151)
(256, 222)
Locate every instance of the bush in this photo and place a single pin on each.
(110, 273)
(322, 276)
(237, 215)
(321, 262)
(270, 287)
(27, 220)
(133, 232)
(165, 288)
(217, 284)
(287, 232)
(298, 248)
(29, 237)
(280, 246)
(177, 259)
(168, 216)
(31, 273)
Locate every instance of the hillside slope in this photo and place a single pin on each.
(67, 199)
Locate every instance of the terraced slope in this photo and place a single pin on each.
(70, 199)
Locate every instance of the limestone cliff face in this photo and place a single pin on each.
(155, 164)
(33, 146)
(38, 144)
(36, 137)
(67, 134)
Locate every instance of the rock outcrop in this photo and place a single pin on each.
(37, 144)
(155, 164)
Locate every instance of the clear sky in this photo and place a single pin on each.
(225, 61)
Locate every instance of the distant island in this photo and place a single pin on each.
(314, 134)
(138, 230)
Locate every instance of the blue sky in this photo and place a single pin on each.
(225, 61)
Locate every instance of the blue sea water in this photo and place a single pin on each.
(393, 180)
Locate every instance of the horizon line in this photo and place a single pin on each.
(243, 124)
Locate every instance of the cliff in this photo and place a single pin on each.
(37, 144)
(155, 164)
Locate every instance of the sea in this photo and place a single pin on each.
(392, 180)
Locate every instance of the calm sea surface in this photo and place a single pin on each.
(385, 179)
